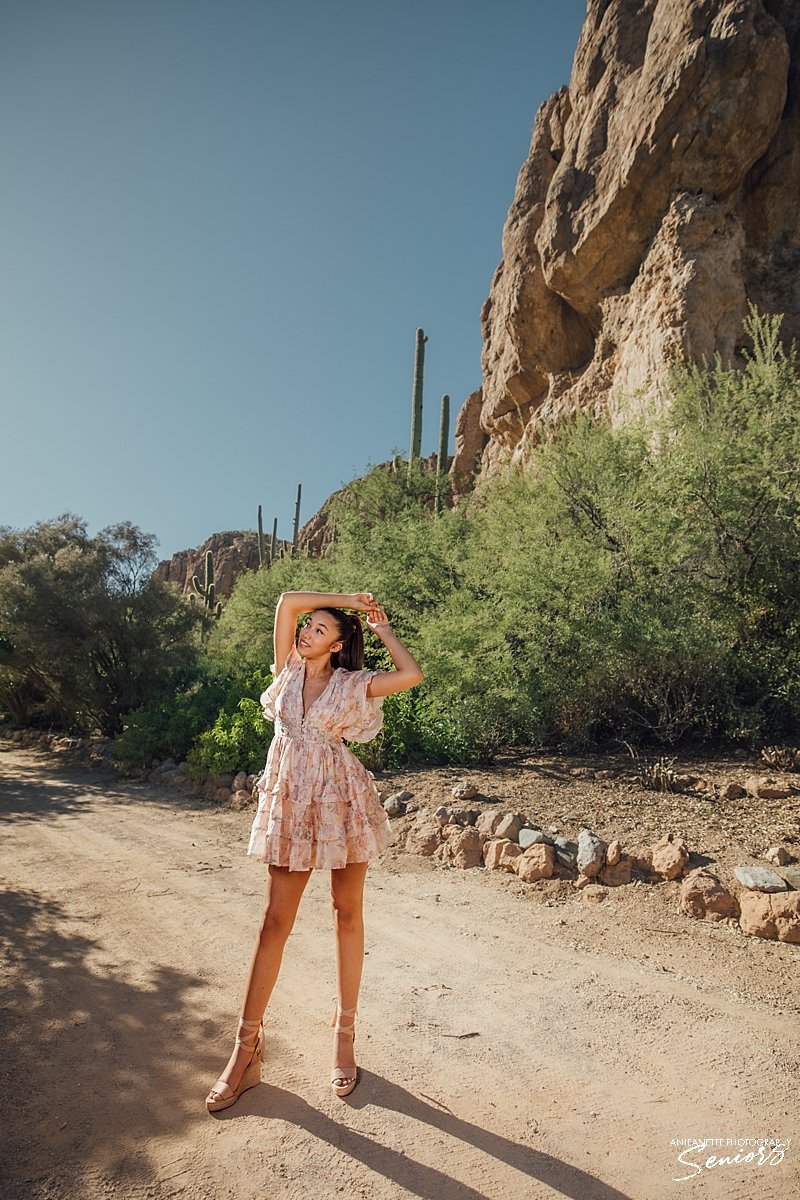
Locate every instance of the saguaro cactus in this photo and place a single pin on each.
(416, 400)
(273, 549)
(260, 539)
(205, 591)
(441, 456)
(296, 529)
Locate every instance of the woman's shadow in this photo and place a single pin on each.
(416, 1177)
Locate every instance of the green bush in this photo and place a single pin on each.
(169, 723)
(637, 583)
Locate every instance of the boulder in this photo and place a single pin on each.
(465, 791)
(591, 852)
(531, 837)
(509, 826)
(770, 916)
(760, 879)
(766, 787)
(779, 856)
(537, 862)
(615, 874)
(464, 816)
(500, 853)
(393, 806)
(487, 822)
(670, 856)
(423, 837)
(566, 852)
(614, 852)
(240, 799)
(462, 849)
(705, 897)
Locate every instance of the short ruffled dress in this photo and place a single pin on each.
(318, 805)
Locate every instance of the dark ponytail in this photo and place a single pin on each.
(351, 634)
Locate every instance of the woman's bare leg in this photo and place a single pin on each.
(347, 894)
(284, 891)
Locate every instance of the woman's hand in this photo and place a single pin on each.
(377, 620)
(363, 601)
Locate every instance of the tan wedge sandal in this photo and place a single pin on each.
(251, 1075)
(349, 1074)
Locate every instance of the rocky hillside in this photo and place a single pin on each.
(237, 550)
(661, 193)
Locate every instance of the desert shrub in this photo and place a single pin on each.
(86, 631)
(168, 724)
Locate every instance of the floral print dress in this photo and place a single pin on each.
(318, 805)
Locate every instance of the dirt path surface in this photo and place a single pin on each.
(510, 1044)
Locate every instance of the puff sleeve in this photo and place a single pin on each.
(268, 698)
(362, 715)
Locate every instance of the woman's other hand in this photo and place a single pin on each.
(377, 619)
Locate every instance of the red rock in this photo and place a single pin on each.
(705, 897)
(500, 853)
(616, 874)
(462, 849)
(670, 856)
(537, 862)
(766, 787)
(423, 837)
(614, 852)
(774, 915)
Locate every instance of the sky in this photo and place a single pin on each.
(221, 223)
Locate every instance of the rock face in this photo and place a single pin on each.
(661, 193)
(233, 551)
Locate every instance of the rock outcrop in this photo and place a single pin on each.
(234, 552)
(660, 195)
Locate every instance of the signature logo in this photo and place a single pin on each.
(760, 1152)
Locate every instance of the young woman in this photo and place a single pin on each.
(318, 807)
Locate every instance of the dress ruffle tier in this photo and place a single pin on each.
(318, 804)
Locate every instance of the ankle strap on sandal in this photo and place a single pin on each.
(246, 1028)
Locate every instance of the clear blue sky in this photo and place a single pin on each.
(222, 223)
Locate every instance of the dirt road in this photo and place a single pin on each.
(510, 1045)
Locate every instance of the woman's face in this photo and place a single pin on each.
(318, 636)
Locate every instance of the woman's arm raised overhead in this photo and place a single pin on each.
(291, 604)
(407, 673)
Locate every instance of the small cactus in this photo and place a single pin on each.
(783, 758)
(658, 775)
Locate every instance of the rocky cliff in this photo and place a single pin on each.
(234, 552)
(661, 193)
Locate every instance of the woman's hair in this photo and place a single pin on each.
(351, 655)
